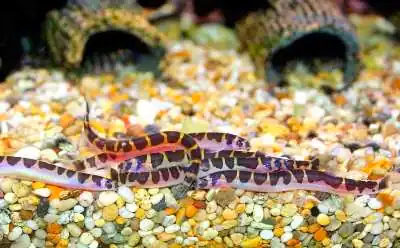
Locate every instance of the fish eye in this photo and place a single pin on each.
(239, 143)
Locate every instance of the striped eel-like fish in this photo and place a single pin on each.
(162, 141)
(245, 179)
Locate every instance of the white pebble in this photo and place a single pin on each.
(126, 194)
(266, 234)
(125, 213)
(79, 209)
(85, 199)
(286, 237)
(185, 227)
(15, 233)
(94, 244)
(107, 198)
(41, 234)
(132, 207)
(377, 228)
(43, 192)
(28, 152)
(374, 203)
(32, 224)
(67, 204)
(149, 241)
(258, 213)
(11, 198)
(74, 230)
(210, 233)
(154, 199)
(86, 238)
(172, 228)
(169, 220)
(296, 221)
(146, 225)
(158, 229)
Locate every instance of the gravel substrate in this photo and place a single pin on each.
(354, 133)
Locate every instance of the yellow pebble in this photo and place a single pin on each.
(323, 219)
(174, 246)
(117, 126)
(110, 212)
(240, 208)
(326, 241)
(308, 205)
(27, 230)
(180, 215)
(113, 246)
(120, 220)
(38, 185)
(278, 232)
(140, 213)
(340, 215)
(100, 222)
(229, 214)
(97, 126)
(192, 222)
(120, 202)
(33, 200)
(251, 243)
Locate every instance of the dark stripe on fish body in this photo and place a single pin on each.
(350, 184)
(143, 177)
(82, 177)
(215, 177)
(114, 174)
(313, 176)
(298, 175)
(362, 185)
(97, 180)
(287, 177)
(132, 176)
(156, 159)
(217, 163)
(2, 158)
(260, 178)
(277, 163)
(60, 170)
(12, 160)
(229, 138)
(196, 153)
(214, 136)
(47, 166)
(70, 173)
(226, 153)
(315, 164)
(205, 165)
(203, 182)
(302, 164)
(155, 177)
(173, 137)
(230, 162)
(384, 183)
(112, 156)
(91, 136)
(28, 163)
(140, 143)
(188, 142)
(332, 180)
(99, 143)
(289, 164)
(122, 177)
(250, 163)
(230, 175)
(110, 145)
(103, 157)
(198, 136)
(175, 156)
(124, 146)
(266, 161)
(164, 174)
(244, 176)
(92, 161)
(174, 172)
(79, 165)
(156, 139)
(193, 168)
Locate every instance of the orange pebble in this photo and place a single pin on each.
(385, 198)
(55, 191)
(293, 242)
(66, 120)
(190, 211)
(38, 185)
(170, 211)
(200, 204)
(54, 228)
(320, 234)
(313, 228)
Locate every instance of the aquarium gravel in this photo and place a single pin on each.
(354, 133)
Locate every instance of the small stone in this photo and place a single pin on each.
(169, 220)
(149, 241)
(210, 233)
(225, 197)
(266, 234)
(26, 214)
(134, 239)
(229, 214)
(172, 228)
(15, 233)
(155, 199)
(125, 213)
(357, 243)
(258, 213)
(86, 238)
(323, 219)
(67, 204)
(374, 203)
(286, 237)
(146, 225)
(289, 210)
(110, 212)
(377, 228)
(21, 190)
(28, 152)
(109, 228)
(6, 184)
(10, 198)
(107, 198)
(43, 192)
(74, 230)
(296, 221)
(199, 195)
(346, 229)
(126, 194)
(85, 199)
